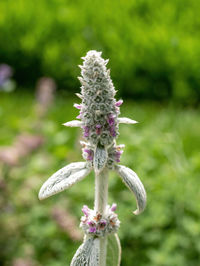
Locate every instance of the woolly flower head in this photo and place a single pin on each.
(96, 224)
(99, 113)
(99, 110)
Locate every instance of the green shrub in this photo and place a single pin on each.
(154, 46)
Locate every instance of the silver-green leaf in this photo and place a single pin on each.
(113, 257)
(100, 158)
(73, 123)
(88, 253)
(133, 182)
(126, 120)
(64, 178)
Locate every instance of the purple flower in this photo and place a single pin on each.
(86, 134)
(86, 210)
(79, 116)
(113, 207)
(90, 154)
(119, 103)
(87, 150)
(111, 120)
(78, 106)
(86, 131)
(90, 223)
(98, 129)
(113, 132)
(118, 155)
(92, 229)
(90, 158)
(102, 223)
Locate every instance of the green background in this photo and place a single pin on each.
(153, 45)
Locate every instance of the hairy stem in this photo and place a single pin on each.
(101, 197)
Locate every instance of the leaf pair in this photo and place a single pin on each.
(75, 172)
(121, 120)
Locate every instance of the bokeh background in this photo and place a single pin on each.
(154, 52)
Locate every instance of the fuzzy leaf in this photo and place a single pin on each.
(73, 123)
(133, 182)
(79, 95)
(113, 257)
(100, 158)
(64, 178)
(125, 120)
(88, 253)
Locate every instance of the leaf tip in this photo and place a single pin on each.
(136, 212)
(41, 195)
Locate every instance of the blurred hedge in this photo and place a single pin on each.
(153, 45)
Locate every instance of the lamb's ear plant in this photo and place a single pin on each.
(99, 121)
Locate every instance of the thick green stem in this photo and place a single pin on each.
(101, 198)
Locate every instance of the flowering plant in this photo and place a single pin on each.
(99, 119)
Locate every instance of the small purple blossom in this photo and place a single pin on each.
(103, 222)
(98, 129)
(98, 126)
(118, 155)
(113, 132)
(97, 224)
(86, 210)
(78, 106)
(111, 120)
(118, 103)
(113, 207)
(79, 116)
(90, 154)
(90, 158)
(86, 131)
(92, 229)
(91, 223)
(87, 150)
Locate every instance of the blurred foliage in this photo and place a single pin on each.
(153, 45)
(163, 149)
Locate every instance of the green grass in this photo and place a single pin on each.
(164, 151)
